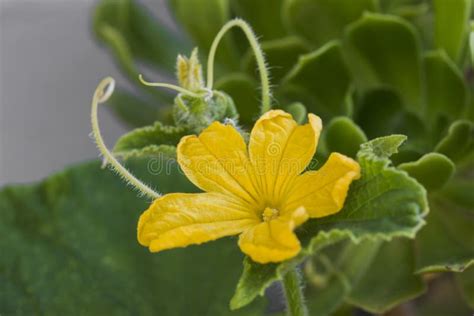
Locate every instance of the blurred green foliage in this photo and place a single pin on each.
(368, 68)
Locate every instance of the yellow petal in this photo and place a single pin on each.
(217, 161)
(273, 241)
(324, 191)
(181, 219)
(280, 150)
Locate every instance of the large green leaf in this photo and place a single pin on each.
(333, 272)
(447, 242)
(69, 247)
(357, 274)
(321, 81)
(384, 50)
(451, 25)
(446, 91)
(323, 20)
(384, 203)
(203, 21)
(281, 54)
(466, 281)
(389, 279)
(263, 15)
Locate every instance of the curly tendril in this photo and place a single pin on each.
(102, 93)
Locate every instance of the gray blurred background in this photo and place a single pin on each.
(49, 67)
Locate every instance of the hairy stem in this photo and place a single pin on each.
(102, 93)
(294, 294)
(260, 58)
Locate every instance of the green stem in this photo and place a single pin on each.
(259, 57)
(294, 294)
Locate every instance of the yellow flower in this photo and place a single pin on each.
(258, 192)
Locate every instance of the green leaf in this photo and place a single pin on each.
(243, 90)
(129, 29)
(457, 143)
(323, 78)
(133, 35)
(471, 43)
(380, 112)
(447, 242)
(459, 191)
(466, 281)
(451, 25)
(384, 50)
(298, 111)
(446, 92)
(134, 110)
(320, 21)
(356, 269)
(264, 16)
(344, 136)
(281, 54)
(153, 140)
(385, 203)
(203, 21)
(70, 247)
(343, 265)
(389, 279)
(433, 170)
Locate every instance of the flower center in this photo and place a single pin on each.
(269, 214)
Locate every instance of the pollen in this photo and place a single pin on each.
(270, 214)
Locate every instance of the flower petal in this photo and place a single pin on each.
(217, 161)
(324, 191)
(273, 241)
(280, 150)
(182, 219)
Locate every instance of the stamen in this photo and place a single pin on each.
(260, 58)
(102, 93)
(270, 214)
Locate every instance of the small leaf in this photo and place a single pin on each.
(389, 280)
(451, 25)
(298, 111)
(344, 136)
(203, 21)
(378, 62)
(71, 249)
(457, 143)
(150, 141)
(281, 54)
(263, 15)
(433, 170)
(446, 90)
(323, 78)
(447, 242)
(320, 21)
(385, 203)
(243, 90)
(466, 282)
